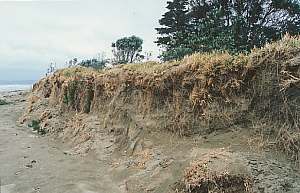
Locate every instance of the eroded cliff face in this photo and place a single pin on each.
(201, 94)
(118, 109)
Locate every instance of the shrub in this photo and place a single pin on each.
(3, 102)
(35, 125)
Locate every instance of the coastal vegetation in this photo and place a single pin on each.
(3, 102)
(35, 125)
(227, 68)
(127, 50)
(191, 26)
(202, 94)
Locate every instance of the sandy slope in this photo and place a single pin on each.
(37, 164)
(31, 163)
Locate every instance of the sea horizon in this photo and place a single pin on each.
(15, 85)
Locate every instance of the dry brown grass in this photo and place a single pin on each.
(202, 93)
(216, 172)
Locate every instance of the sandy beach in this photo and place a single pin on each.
(166, 96)
(30, 163)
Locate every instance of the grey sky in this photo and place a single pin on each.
(35, 33)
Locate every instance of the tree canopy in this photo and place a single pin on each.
(127, 50)
(234, 25)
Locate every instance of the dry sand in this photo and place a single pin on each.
(30, 163)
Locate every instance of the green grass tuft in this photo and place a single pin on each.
(35, 125)
(3, 102)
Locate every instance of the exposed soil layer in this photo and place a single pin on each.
(132, 111)
(33, 163)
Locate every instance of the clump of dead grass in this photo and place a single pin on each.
(215, 172)
(289, 142)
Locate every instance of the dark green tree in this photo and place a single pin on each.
(175, 53)
(94, 63)
(97, 63)
(127, 50)
(174, 24)
(211, 26)
(233, 25)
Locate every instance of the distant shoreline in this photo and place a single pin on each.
(15, 87)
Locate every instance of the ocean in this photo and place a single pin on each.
(15, 87)
(6, 86)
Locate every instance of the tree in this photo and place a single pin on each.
(175, 24)
(233, 25)
(175, 53)
(210, 26)
(96, 63)
(127, 50)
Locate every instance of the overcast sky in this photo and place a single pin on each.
(34, 33)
